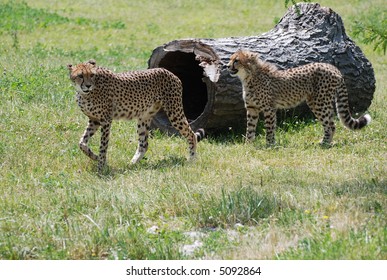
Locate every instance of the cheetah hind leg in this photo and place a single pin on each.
(143, 126)
(329, 127)
(180, 123)
(193, 139)
(325, 116)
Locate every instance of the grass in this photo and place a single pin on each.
(236, 201)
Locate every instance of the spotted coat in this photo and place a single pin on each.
(266, 89)
(104, 96)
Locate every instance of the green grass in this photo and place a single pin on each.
(237, 201)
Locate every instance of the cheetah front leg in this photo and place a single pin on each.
(105, 134)
(143, 127)
(83, 142)
(252, 120)
(270, 125)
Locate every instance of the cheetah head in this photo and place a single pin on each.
(241, 63)
(83, 76)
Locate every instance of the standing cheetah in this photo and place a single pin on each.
(103, 96)
(266, 89)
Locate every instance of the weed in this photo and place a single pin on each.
(244, 206)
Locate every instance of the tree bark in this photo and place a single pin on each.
(213, 99)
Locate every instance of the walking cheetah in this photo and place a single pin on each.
(103, 96)
(266, 89)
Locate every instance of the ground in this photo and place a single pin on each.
(236, 201)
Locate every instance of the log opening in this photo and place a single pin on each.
(195, 95)
(196, 69)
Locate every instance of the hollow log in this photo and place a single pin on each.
(212, 99)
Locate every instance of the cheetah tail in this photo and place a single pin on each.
(356, 124)
(200, 134)
(344, 113)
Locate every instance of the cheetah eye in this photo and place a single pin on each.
(80, 76)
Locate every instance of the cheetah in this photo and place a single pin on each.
(104, 96)
(266, 89)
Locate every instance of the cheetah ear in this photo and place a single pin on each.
(92, 62)
(70, 67)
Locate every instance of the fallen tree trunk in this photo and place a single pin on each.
(213, 99)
